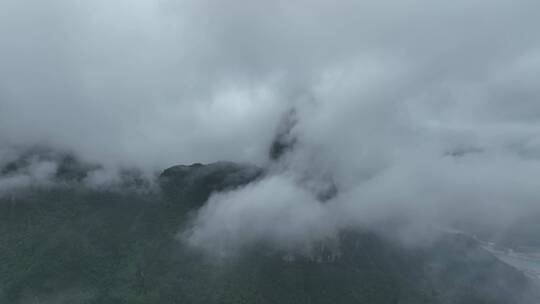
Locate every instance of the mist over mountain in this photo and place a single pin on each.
(328, 151)
(70, 243)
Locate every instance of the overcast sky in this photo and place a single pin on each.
(398, 101)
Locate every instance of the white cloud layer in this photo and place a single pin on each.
(423, 106)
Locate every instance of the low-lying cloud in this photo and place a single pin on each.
(420, 108)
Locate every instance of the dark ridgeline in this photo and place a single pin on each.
(191, 186)
(285, 140)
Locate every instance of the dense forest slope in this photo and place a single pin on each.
(69, 243)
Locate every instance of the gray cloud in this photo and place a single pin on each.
(416, 106)
(37, 173)
(272, 210)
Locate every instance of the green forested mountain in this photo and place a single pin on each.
(72, 244)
